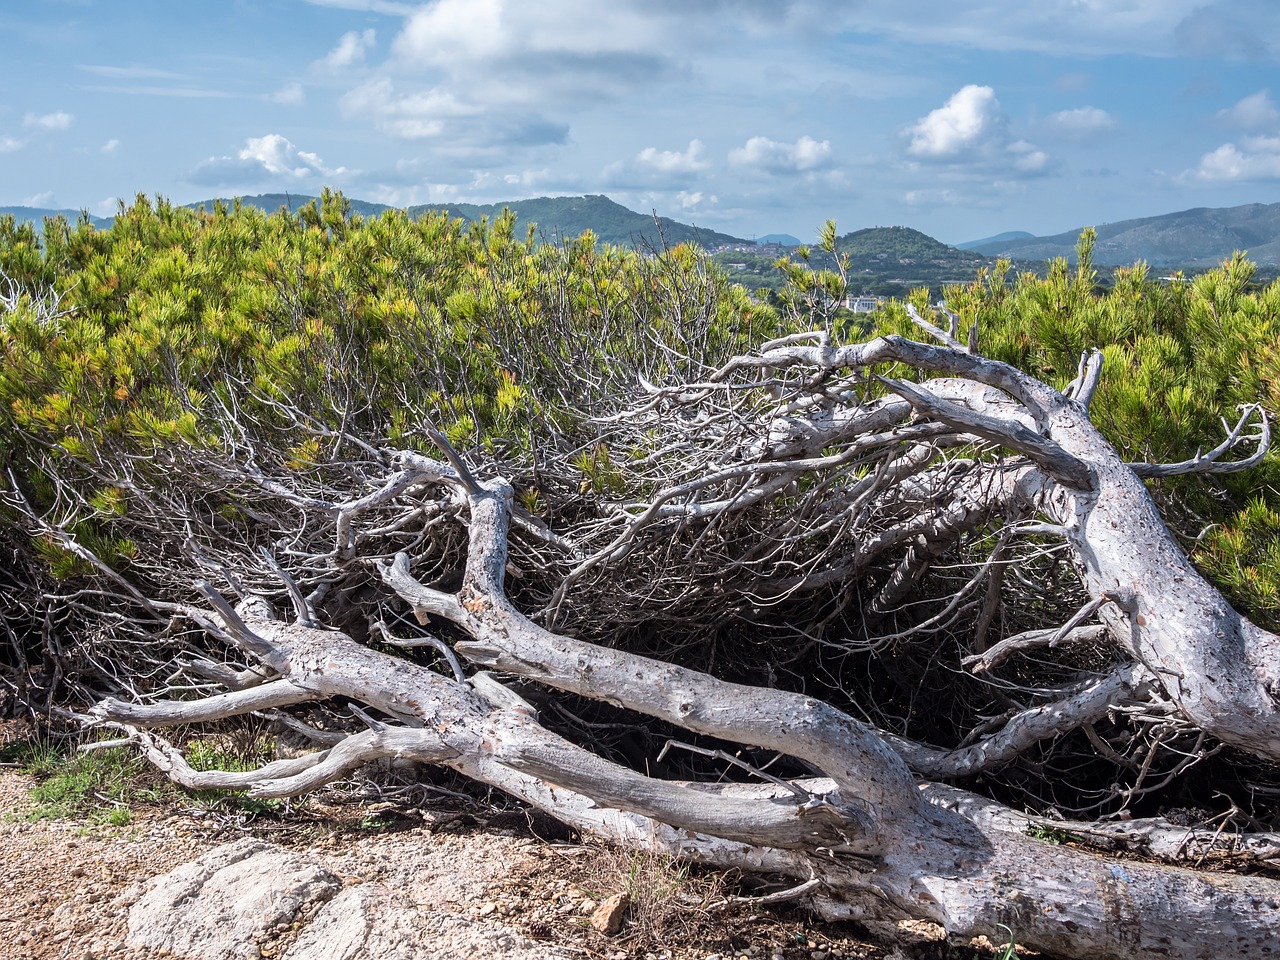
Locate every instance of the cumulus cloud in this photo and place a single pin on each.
(272, 157)
(1027, 157)
(1081, 122)
(413, 115)
(1252, 112)
(771, 156)
(674, 161)
(48, 121)
(110, 146)
(380, 97)
(657, 169)
(43, 199)
(1255, 158)
(350, 50)
(460, 126)
(502, 52)
(11, 144)
(971, 131)
(964, 124)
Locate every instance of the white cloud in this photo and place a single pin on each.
(970, 134)
(43, 199)
(1253, 112)
(272, 157)
(1257, 158)
(1027, 157)
(544, 180)
(48, 121)
(410, 116)
(1081, 122)
(693, 200)
(11, 144)
(290, 95)
(673, 161)
(106, 207)
(966, 123)
(350, 50)
(771, 156)
(110, 145)
(451, 31)
(508, 53)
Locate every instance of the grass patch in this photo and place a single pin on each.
(99, 784)
(233, 754)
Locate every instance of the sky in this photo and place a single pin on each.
(959, 119)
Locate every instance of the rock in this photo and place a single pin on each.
(607, 917)
(361, 922)
(215, 907)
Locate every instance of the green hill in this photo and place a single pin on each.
(554, 218)
(611, 222)
(1201, 237)
(271, 202)
(879, 248)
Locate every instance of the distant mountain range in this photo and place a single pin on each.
(1202, 237)
(1190, 239)
(554, 218)
(36, 215)
(999, 238)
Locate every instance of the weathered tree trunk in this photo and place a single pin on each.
(867, 839)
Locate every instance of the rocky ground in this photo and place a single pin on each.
(484, 883)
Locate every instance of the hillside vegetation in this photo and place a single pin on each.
(383, 324)
(621, 483)
(1190, 239)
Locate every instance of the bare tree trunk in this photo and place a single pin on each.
(867, 839)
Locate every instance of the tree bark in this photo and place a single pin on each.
(881, 844)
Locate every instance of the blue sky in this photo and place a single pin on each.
(961, 119)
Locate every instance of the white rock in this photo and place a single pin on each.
(217, 906)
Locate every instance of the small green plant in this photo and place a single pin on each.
(232, 754)
(1010, 950)
(376, 821)
(118, 817)
(1051, 835)
(79, 783)
(221, 753)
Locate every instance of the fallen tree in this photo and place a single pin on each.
(847, 573)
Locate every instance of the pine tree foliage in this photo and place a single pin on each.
(786, 508)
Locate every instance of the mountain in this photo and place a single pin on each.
(1201, 237)
(782, 239)
(560, 217)
(1005, 237)
(882, 246)
(36, 216)
(271, 202)
(553, 217)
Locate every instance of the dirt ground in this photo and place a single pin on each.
(68, 882)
